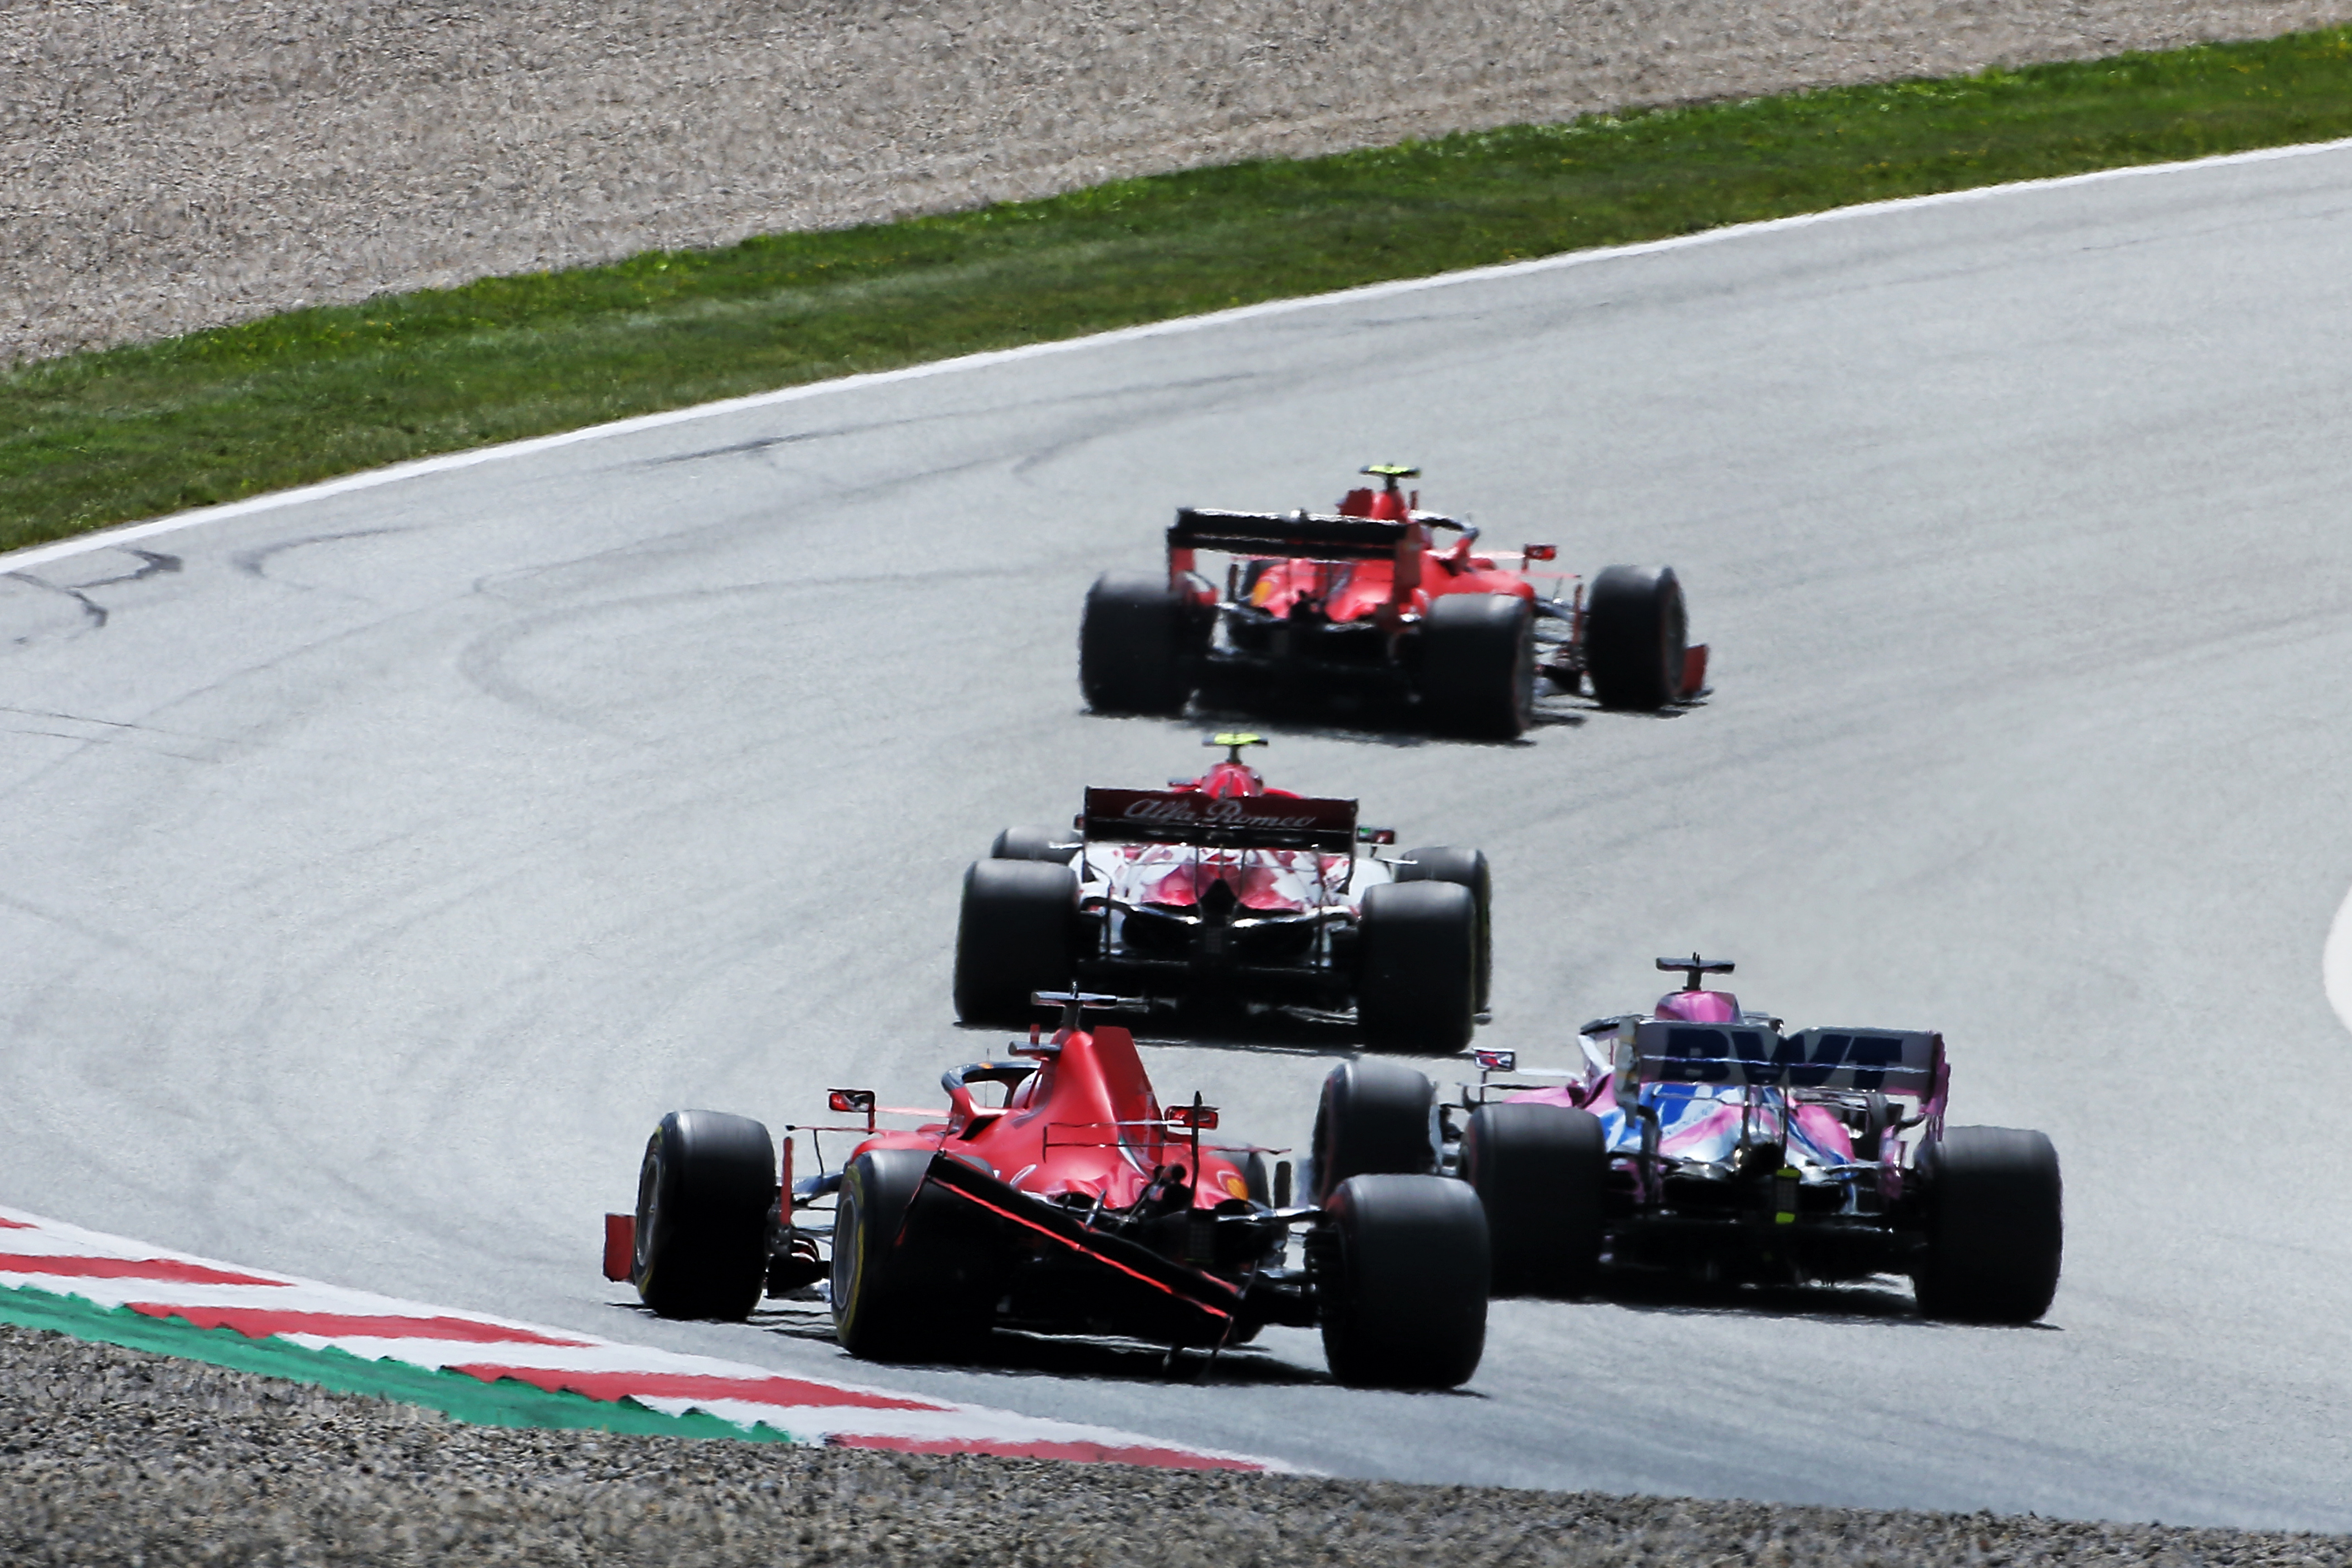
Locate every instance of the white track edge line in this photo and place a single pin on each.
(2336, 963)
(128, 534)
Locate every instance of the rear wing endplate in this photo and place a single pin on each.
(1245, 821)
(1894, 1061)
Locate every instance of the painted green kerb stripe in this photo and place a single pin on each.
(454, 1393)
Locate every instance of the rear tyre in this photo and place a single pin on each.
(1995, 1226)
(1400, 1282)
(1132, 646)
(1634, 638)
(1417, 967)
(1478, 665)
(705, 1189)
(1539, 1171)
(895, 1296)
(1034, 843)
(1375, 1117)
(1015, 934)
(1463, 869)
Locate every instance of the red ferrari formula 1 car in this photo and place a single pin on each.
(1700, 1138)
(1218, 894)
(1368, 599)
(1056, 1194)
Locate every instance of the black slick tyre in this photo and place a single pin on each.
(894, 1297)
(1400, 1282)
(1014, 935)
(1996, 1228)
(1036, 843)
(1635, 634)
(1539, 1171)
(1463, 869)
(1374, 1118)
(705, 1189)
(1417, 967)
(1132, 648)
(1478, 665)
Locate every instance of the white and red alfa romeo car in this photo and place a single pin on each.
(1218, 894)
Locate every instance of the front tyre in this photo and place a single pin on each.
(1635, 634)
(1463, 869)
(1539, 1171)
(705, 1189)
(1015, 936)
(1417, 967)
(1132, 646)
(1374, 1118)
(1400, 1268)
(1059, 846)
(1996, 1226)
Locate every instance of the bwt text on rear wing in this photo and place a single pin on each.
(1892, 1061)
(1247, 822)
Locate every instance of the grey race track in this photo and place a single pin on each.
(377, 869)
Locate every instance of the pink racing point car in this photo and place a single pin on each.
(1702, 1138)
(1054, 1194)
(1219, 895)
(1379, 599)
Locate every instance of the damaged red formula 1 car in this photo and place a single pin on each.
(1701, 1140)
(1219, 894)
(1056, 1194)
(1379, 599)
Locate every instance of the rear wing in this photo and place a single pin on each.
(1895, 1061)
(1242, 822)
(1317, 536)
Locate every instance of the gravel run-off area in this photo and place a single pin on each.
(168, 166)
(112, 1455)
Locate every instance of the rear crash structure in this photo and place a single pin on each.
(1054, 1195)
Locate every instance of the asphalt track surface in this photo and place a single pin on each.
(377, 869)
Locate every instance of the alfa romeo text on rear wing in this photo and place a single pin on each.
(1245, 821)
(1894, 1061)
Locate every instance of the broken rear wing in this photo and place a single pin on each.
(1247, 822)
(1892, 1061)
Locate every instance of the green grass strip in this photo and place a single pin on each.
(502, 1404)
(103, 437)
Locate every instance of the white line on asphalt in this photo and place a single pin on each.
(2336, 963)
(130, 533)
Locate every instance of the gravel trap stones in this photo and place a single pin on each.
(169, 167)
(111, 1456)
